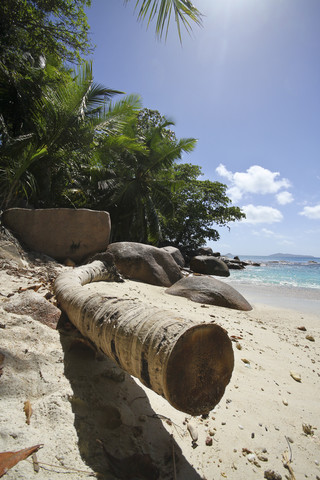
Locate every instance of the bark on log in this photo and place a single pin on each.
(188, 363)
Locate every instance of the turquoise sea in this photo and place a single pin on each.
(280, 281)
(287, 271)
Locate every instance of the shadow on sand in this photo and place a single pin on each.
(120, 435)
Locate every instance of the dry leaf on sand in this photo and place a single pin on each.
(35, 288)
(10, 459)
(27, 410)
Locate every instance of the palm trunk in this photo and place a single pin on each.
(188, 363)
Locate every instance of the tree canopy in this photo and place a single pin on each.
(64, 143)
(37, 154)
(132, 183)
(30, 29)
(199, 206)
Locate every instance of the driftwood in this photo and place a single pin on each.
(188, 363)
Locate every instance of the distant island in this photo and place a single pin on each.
(289, 255)
(274, 255)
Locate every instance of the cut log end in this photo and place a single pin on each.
(199, 369)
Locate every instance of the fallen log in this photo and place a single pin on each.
(188, 363)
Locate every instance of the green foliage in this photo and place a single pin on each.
(62, 125)
(63, 143)
(36, 37)
(33, 29)
(199, 205)
(133, 187)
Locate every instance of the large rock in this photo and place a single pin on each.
(61, 232)
(34, 305)
(210, 291)
(176, 255)
(145, 263)
(207, 251)
(209, 266)
(9, 251)
(233, 263)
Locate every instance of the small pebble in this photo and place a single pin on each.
(208, 441)
(307, 429)
(285, 402)
(310, 338)
(296, 376)
(272, 475)
(193, 432)
(246, 361)
(241, 427)
(262, 458)
(251, 457)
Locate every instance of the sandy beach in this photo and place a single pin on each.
(292, 298)
(94, 420)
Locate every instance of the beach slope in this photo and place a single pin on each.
(93, 419)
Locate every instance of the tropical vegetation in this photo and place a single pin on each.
(65, 142)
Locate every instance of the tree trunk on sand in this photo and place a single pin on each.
(188, 363)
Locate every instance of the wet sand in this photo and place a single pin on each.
(300, 299)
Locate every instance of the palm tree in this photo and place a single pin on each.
(183, 10)
(63, 124)
(135, 188)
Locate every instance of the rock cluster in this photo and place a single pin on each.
(72, 236)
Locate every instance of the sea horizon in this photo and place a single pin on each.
(280, 270)
(291, 256)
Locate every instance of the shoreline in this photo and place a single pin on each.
(279, 296)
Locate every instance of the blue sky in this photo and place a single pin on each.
(247, 86)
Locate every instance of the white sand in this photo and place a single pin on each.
(78, 398)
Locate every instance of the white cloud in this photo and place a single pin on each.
(256, 180)
(281, 239)
(284, 197)
(268, 233)
(264, 232)
(286, 242)
(261, 214)
(311, 212)
(223, 172)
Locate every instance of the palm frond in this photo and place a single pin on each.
(117, 116)
(183, 11)
(169, 152)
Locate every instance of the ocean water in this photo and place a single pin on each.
(286, 271)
